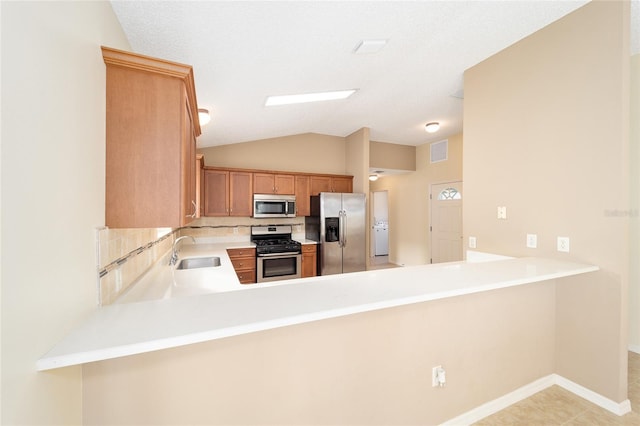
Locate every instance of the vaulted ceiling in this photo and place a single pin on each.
(244, 51)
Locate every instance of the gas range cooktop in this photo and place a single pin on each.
(274, 239)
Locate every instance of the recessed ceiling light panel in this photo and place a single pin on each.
(308, 97)
(369, 46)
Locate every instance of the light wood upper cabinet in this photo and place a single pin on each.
(320, 184)
(270, 183)
(241, 193)
(199, 186)
(303, 205)
(216, 193)
(227, 193)
(342, 184)
(151, 129)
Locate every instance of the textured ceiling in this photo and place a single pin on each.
(243, 52)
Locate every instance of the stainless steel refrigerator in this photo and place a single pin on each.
(337, 222)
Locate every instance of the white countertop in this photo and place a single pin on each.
(133, 328)
(164, 282)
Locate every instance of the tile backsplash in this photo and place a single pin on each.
(124, 255)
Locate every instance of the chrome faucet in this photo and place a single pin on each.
(174, 248)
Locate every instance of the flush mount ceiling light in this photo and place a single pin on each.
(203, 116)
(374, 177)
(308, 97)
(432, 127)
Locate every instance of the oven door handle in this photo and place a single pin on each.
(288, 254)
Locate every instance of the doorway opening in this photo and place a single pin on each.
(380, 224)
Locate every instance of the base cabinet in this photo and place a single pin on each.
(244, 263)
(309, 267)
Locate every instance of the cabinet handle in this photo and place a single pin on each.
(195, 209)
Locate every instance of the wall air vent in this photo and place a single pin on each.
(439, 151)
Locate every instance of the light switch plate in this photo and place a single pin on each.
(532, 241)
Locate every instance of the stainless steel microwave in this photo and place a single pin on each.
(271, 205)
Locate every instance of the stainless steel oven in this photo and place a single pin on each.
(278, 256)
(279, 266)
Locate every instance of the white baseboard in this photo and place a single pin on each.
(501, 403)
(526, 391)
(634, 348)
(619, 408)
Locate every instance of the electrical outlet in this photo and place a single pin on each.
(563, 244)
(532, 241)
(235, 230)
(502, 212)
(472, 242)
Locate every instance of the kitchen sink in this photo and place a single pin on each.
(199, 262)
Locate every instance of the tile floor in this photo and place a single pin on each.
(380, 262)
(557, 406)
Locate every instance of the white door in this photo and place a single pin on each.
(446, 222)
(379, 224)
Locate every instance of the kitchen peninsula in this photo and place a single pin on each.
(135, 328)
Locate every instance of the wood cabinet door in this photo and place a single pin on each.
(216, 193)
(188, 179)
(241, 194)
(309, 268)
(264, 183)
(150, 141)
(285, 184)
(303, 205)
(340, 184)
(319, 184)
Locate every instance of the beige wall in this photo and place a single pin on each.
(53, 109)
(634, 279)
(309, 152)
(357, 165)
(392, 156)
(357, 159)
(372, 368)
(546, 135)
(409, 238)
